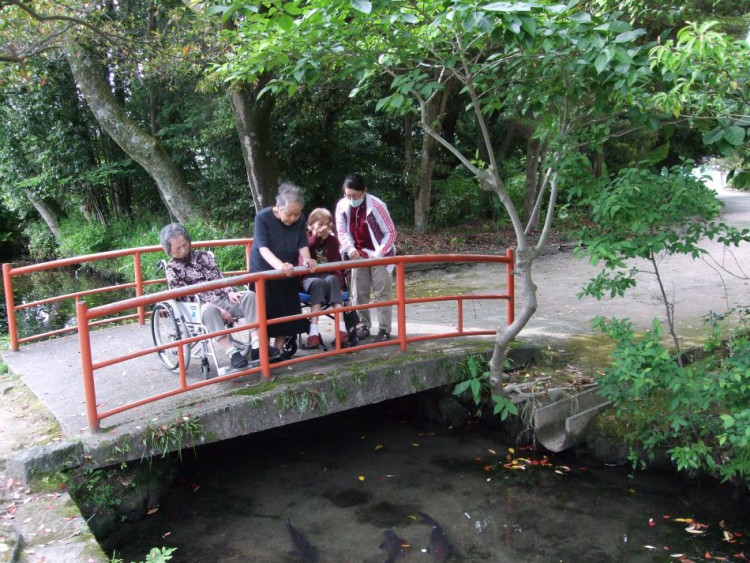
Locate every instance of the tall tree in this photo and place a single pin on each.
(142, 147)
(572, 71)
(33, 32)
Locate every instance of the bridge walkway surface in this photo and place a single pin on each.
(52, 369)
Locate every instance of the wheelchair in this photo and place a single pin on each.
(174, 320)
(351, 320)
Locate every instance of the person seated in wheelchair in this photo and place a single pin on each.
(323, 288)
(218, 306)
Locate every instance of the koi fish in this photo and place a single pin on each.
(439, 546)
(394, 545)
(303, 549)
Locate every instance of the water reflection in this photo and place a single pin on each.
(57, 315)
(344, 480)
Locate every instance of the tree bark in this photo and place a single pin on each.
(432, 112)
(49, 210)
(145, 149)
(252, 119)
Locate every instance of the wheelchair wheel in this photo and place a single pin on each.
(166, 328)
(290, 346)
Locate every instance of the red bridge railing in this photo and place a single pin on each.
(88, 318)
(138, 284)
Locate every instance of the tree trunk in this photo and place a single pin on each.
(49, 210)
(139, 145)
(252, 118)
(432, 112)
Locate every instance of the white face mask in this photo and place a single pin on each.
(356, 202)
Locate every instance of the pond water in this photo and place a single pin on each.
(343, 480)
(57, 315)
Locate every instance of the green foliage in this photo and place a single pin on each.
(184, 430)
(457, 199)
(303, 401)
(41, 244)
(642, 214)
(475, 374)
(707, 73)
(94, 489)
(698, 413)
(82, 237)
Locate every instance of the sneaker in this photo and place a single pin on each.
(383, 335)
(313, 342)
(273, 353)
(344, 336)
(238, 361)
(363, 332)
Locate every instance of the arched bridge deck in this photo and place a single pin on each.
(430, 339)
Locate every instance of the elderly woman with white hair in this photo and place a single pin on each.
(188, 267)
(280, 243)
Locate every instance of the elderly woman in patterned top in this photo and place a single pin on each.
(218, 306)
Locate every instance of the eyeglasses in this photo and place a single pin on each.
(353, 195)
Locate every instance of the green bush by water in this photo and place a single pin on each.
(698, 413)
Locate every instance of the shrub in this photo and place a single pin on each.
(697, 413)
(41, 244)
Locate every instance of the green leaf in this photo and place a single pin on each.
(286, 22)
(629, 36)
(363, 6)
(713, 136)
(508, 7)
(461, 387)
(602, 61)
(734, 135)
(581, 17)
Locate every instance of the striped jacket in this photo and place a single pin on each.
(379, 222)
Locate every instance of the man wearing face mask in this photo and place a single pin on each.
(365, 230)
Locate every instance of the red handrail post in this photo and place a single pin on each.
(87, 370)
(138, 274)
(11, 307)
(401, 307)
(510, 276)
(260, 313)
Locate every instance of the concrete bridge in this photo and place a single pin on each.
(431, 340)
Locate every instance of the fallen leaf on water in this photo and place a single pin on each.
(379, 447)
(361, 477)
(677, 555)
(688, 520)
(692, 530)
(415, 444)
(152, 510)
(493, 452)
(650, 547)
(651, 522)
